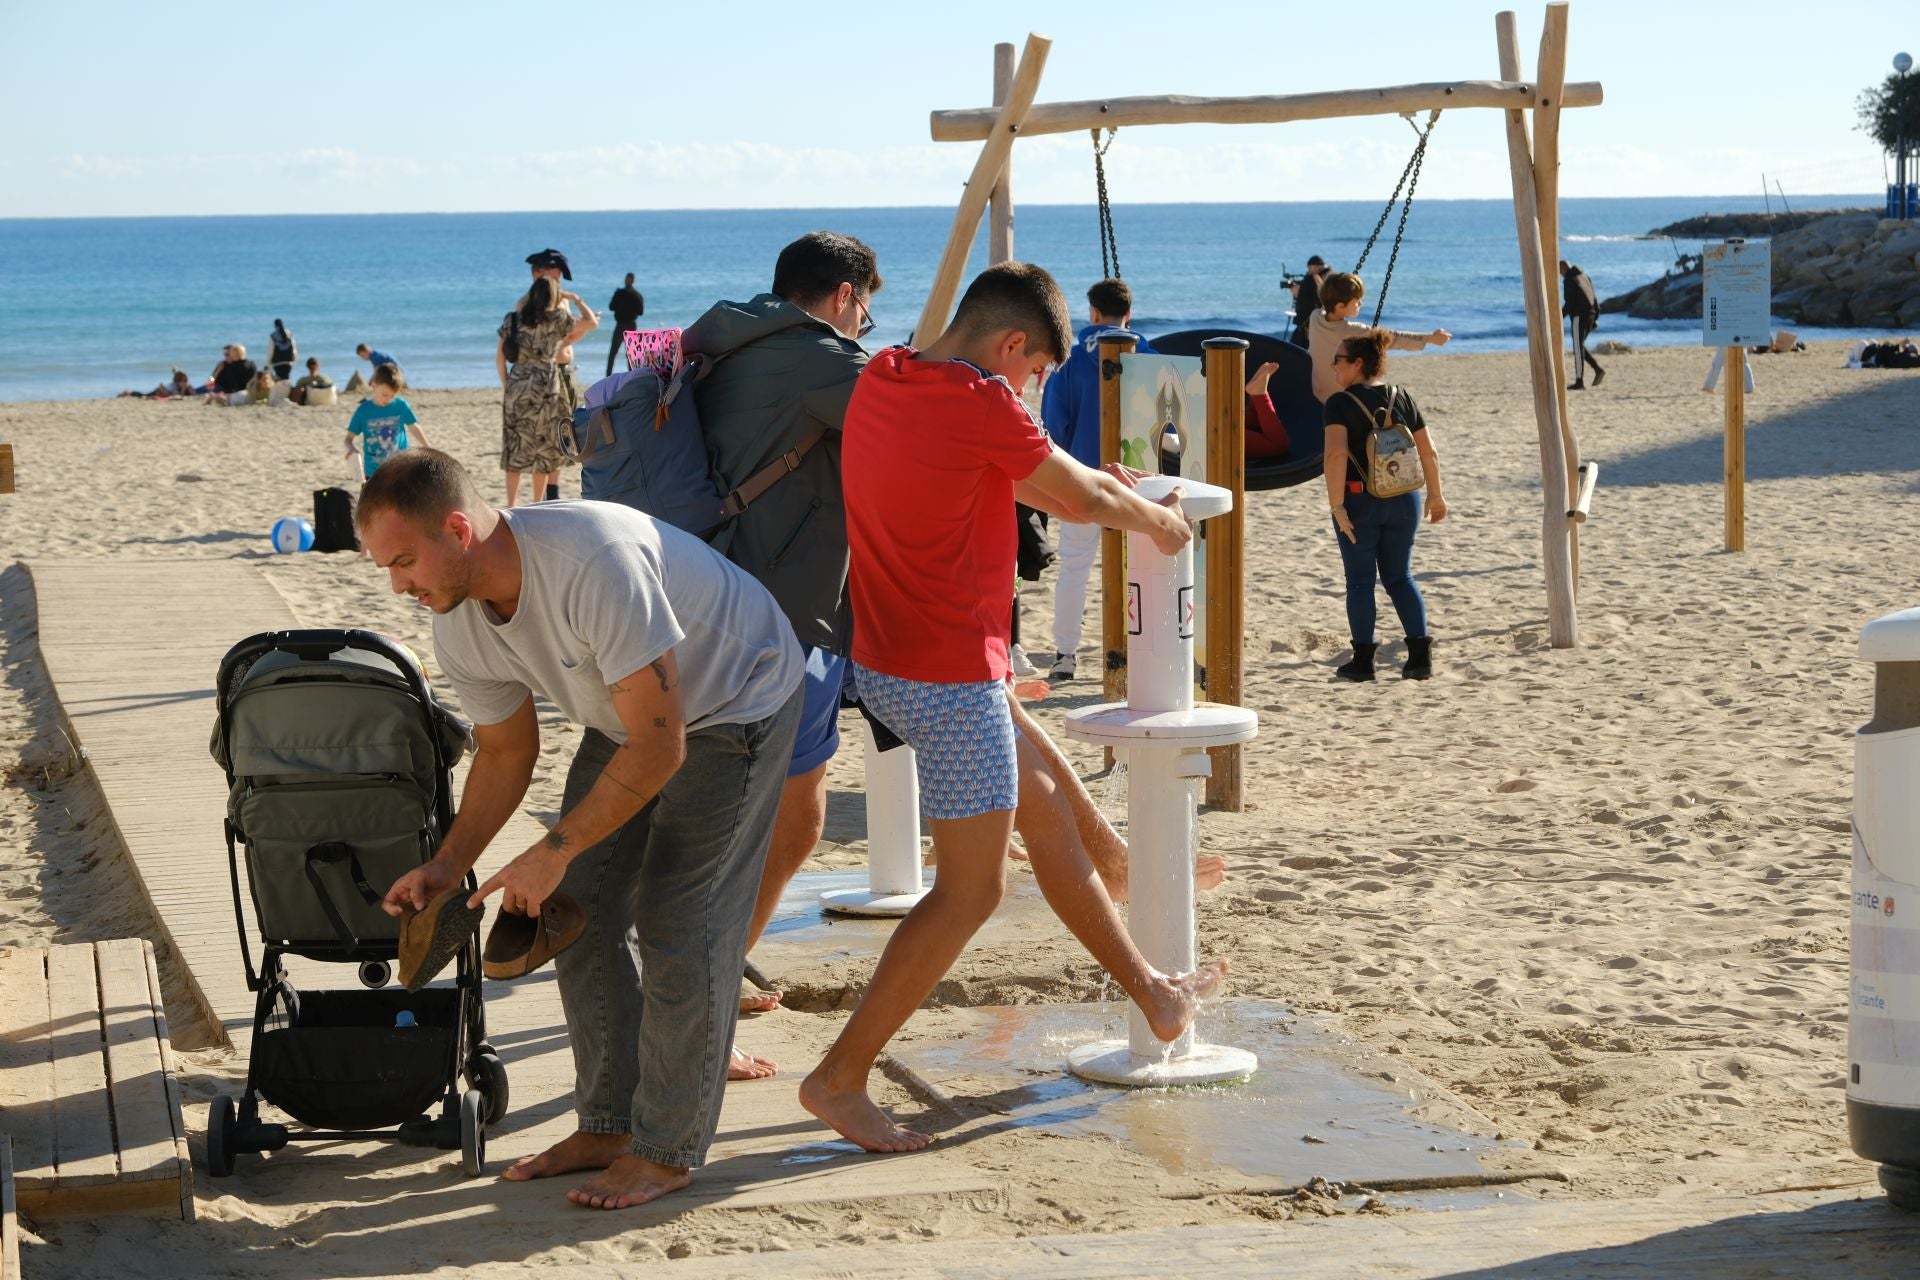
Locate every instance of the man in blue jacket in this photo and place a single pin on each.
(1070, 411)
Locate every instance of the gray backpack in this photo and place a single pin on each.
(339, 765)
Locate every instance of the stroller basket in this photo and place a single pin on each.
(343, 1064)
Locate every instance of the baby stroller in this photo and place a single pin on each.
(340, 766)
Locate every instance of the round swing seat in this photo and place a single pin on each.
(1290, 389)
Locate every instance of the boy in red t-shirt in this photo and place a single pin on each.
(937, 447)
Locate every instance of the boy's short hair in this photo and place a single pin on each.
(1111, 298)
(420, 485)
(362, 349)
(821, 261)
(1017, 295)
(313, 362)
(389, 375)
(1339, 287)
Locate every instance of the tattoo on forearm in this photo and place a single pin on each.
(659, 722)
(660, 669)
(556, 840)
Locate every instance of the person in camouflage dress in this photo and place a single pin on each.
(536, 408)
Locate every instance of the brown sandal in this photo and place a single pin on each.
(434, 934)
(518, 944)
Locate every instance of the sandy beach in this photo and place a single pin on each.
(1598, 896)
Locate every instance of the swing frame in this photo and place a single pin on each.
(1533, 152)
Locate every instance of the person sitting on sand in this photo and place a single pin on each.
(179, 387)
(1340, 295)
(231, 375)
(378, 428)
(1376, 534)
(932, 541)
(314, 378)
(686, 677)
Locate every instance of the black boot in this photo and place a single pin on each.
(1361, 668)
(1419, 658)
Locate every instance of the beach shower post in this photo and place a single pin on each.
(893, 837)
(1164, 735)
(1883, 1078)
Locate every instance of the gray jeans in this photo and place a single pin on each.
(651, 991)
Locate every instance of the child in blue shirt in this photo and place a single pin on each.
(381, 422)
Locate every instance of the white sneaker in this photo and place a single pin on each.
(1063, 667)
(1020, 663)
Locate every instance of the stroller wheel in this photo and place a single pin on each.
(473, 1133)
(488, 1074)
(375, 973)
(220, 1122)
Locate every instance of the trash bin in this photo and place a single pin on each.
(1883, 1022)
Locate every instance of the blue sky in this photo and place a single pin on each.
(138, 109)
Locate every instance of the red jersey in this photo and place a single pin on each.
(929, 458)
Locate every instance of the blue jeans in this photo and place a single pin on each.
(1382, 549)
(652, 989)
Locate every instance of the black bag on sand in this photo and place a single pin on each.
(333, 521)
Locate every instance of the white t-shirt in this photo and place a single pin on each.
(604, 591)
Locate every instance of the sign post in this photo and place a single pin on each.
(1736, 309)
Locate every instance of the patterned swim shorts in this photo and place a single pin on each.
(962, 735)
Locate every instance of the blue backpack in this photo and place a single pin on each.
(638, 442)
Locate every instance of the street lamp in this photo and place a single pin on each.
(1901, 65)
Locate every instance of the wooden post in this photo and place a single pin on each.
(1546, 182)
(6, 468)
(973, 201)
(1563, 624)
(1226, 368)
(1734, 452)
(1113, 543)
(1000, 219)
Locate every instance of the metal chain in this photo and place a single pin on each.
(1109, 247)
(1410, 179)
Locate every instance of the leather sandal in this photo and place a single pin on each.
(517, 944)
(433, 935)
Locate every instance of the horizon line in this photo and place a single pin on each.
(1036, 204)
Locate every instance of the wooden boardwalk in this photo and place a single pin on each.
(132, 648)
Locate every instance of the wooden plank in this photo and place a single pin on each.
(83, 1149)
(171, 1075)
(26, 1062)
(9, 1215)
(1733, 450)
(975, 123)
(1563, 622)
(95, 1199)
(6, 468)
(136, 1078)
(973, 200)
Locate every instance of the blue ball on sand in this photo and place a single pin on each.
(291, 533)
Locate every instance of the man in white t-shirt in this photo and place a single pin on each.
(686, 676)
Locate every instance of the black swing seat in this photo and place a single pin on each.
(1291, 390)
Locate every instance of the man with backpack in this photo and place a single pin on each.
(783, 368)
(1582, 307)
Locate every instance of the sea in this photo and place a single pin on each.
(92, 306)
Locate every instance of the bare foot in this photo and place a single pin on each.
(853, 1116)
(742, 1065)
(629, 1181)
(1175, 1001)
(569, 1155)
(1209, 873)
(760, 1001)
